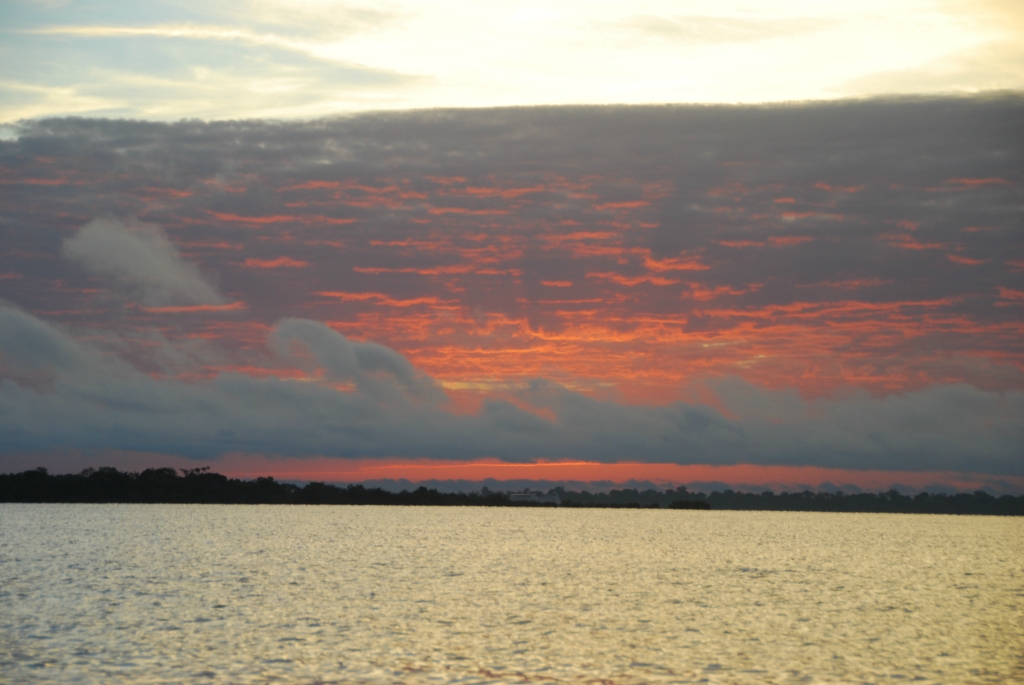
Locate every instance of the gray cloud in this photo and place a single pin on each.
(373, 368)
(99, 402)
(140, 257)
(866, 253)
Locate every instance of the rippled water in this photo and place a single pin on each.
(239, 594)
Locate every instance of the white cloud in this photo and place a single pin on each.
(140, 258)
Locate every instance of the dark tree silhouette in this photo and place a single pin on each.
(201, 486)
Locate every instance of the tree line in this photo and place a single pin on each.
(201, 486)
(891, 502)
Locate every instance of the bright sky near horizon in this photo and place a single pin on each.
(770, 293)
(172, 59)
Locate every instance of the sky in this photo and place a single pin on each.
(683, 243)
(172, 59)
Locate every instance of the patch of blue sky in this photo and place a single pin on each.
(323, 57)
(20, 15)
(69, 73)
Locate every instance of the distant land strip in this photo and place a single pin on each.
(201, 486)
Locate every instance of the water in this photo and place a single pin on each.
(259, 594)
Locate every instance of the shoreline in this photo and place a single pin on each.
(107, 485)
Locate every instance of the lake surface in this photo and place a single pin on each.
(292, 594)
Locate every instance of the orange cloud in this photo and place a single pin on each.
(701, 294)
(432, 271)
(1015, 296)
(279, 263)
(39, 181)
(735, 189)
(281, 218)
(789, 240)
(796, 216)
(313, 185)
(838, 189)
(275, 219)
(212, 244)
(464, 210)
(853, 283)
(555, 240)
(381, 298)
(595, 344)
(195, 308)
(173, 192)
(685, 263)
(632, 280)
(740, 243)
(447, 180)
(504, 193)
(409, 242)
(965, 260)
(905, 242)
(453, 290)
(830, 310)
(974, 182)
(611, 206)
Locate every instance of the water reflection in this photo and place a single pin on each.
(393, 594)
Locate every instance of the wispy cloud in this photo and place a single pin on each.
(141, 259)
(188, 31)
(244, 58)
(702, 29)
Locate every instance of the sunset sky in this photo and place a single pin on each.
(684, 243)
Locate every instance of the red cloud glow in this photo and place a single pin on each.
(278, 263)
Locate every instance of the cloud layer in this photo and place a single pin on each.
(813, 284)
(94, 402)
